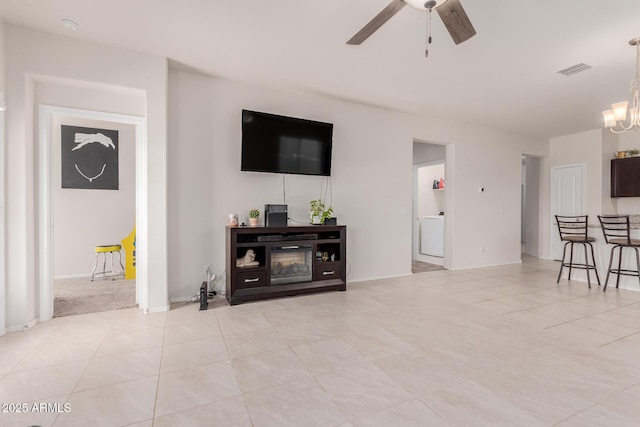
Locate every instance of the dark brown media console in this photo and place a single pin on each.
(288, 261)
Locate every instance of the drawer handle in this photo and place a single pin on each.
(257, 279)
(327, 273)
(289, 247)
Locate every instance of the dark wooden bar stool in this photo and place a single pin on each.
(617, 232)
(574, 230)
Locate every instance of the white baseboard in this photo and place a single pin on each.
(160, 309)
(16, 328)
(394, 276)
(471, 267)
(72, 276)
(182, 299)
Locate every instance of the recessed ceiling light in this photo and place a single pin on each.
(69, 24)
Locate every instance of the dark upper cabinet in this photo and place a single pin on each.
(625, 177)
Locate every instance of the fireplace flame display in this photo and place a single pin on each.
(287, 270)
(291, 264)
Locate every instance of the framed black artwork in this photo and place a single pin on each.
(89, 158)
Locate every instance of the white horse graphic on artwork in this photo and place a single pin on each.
(83, 139)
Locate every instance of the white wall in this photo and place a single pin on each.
(486, 225)
(609, 145)
(192, 173)
(371, 179)
(77, 94)
(423, 152)
(33, 56)
(85, 218)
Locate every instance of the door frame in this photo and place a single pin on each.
(46, 114)
(552, 220)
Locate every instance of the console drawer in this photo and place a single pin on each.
(326, 271)
(251, 279)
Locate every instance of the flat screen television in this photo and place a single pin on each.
(279, 144)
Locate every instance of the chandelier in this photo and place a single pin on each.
(616, 118)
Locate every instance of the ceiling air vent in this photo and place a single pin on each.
(574, 69)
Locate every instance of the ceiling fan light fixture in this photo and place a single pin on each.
(451, 13)
(616, 119)
(421, 4)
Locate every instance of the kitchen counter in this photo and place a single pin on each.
(634, 222)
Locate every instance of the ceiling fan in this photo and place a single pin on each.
(451, 12)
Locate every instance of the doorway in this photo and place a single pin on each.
(47, 119)
(530, 206)
(428, 207)
(92, 205)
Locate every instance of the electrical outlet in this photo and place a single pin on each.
(482, 249)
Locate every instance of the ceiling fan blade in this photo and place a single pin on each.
(456, 20)
(377, 22)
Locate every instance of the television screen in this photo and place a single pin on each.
(279, 144)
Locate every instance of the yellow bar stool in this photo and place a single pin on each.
(104, 250)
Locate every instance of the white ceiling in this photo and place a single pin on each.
(504, 77)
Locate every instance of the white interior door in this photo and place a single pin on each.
(567, 198)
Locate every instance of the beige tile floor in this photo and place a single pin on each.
(503, 346)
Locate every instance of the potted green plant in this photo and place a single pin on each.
(633, 152)
(318, 212)
(254, 217)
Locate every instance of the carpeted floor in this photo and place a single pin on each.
(81, 295)
(421, 267)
